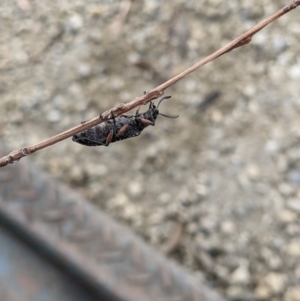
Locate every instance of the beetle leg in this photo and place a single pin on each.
(109, 137)
(114, 121)
(146, 121)
(112, 131)
(122, 130)
(137, 111)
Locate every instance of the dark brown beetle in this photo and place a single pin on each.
(121, 127)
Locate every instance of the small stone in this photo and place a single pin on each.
(202, 190)
(273, 260)
(75, 23)
(241, 275)
(286, 189)
(116, 83)
(54, 116)
(293, 249)
(96, 171)
(184, 197)
(17, 117)
(209, 224)
(244, 181)
(216, 116)
(226, 148)
(171, 211)
(156, 218)
(287, 216)
(294, 71)
(253, 172)
(250, 90)
(185, 202)
(276, 282)
(150, 7)
(192, 228)
(292, 154)
(262, 292)
(59, 101)
(221, 272)
(130, 211)
(77, 174)
(190, 85)
(101, 170)
(204, 260)
(292, 229)
(135, 188)
(294, 205)
(96, 10)
(84, 70)
(282, 164)
(164, 198)
(271, 147)
(227, 227)
(211, 244)
(294, 176)
(280, 44)
(119, 201)
(236, 292)
(293, 294)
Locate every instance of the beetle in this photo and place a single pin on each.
(121, 127)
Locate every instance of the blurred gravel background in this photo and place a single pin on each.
(218, 189)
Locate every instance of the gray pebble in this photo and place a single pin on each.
(286, 189)
(135, 188)
(227, 227)
(262, 292)
(253, 172)
(54, 116)
(236, 292)
(293, 229)
(287, 216)
(241, 275)
(276, 282)
(294, 71)
(283, 165)
(294, 176)
(293, 249)
(294, 205)
(75, 23)
(280, 44)
(292, 294)
(271, 147)
(77, 174)
(84, 70)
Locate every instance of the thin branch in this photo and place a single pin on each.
(154, 93)
(172, 243)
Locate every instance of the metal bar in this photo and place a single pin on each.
(106, 257)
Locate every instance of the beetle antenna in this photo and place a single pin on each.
(165, 115)
(169, 116)
(166, 97)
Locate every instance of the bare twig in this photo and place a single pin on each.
(172, 243)
(114, 29)
(154, 93)
(36, 56)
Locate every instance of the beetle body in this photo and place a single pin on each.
(120, 128)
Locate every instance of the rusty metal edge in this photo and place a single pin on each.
(105, 254)
(51, 256)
